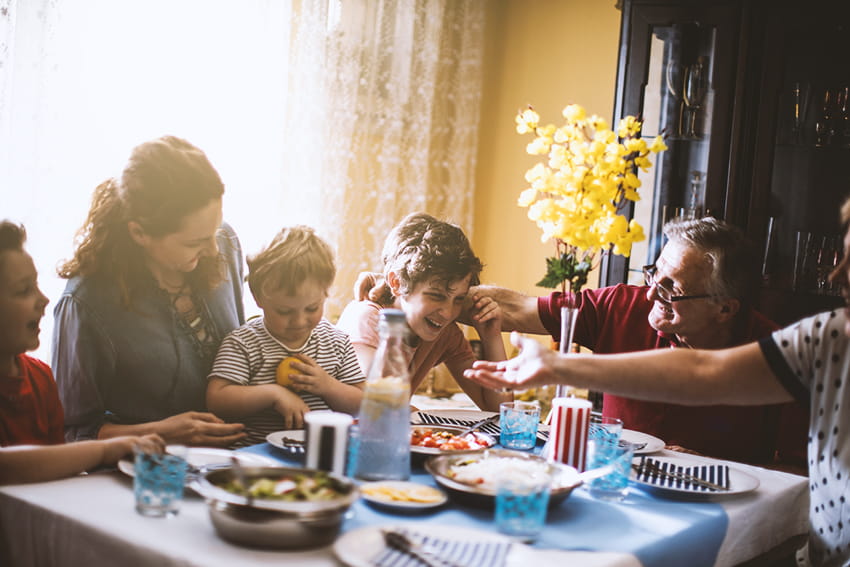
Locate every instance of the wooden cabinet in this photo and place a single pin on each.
(752, 96)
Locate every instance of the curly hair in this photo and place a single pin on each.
(164, 180)
(731, 255)
(421, 248)
(296, 254)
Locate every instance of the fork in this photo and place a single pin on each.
(401, 542)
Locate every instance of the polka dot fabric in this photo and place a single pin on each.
(815, 354)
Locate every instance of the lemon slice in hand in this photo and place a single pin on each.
(284, 369)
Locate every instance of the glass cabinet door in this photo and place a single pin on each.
(806, 133)
(677, 73)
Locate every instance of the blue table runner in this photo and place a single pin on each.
(657, 531)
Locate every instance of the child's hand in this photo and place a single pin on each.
(311, 378)
(486, 316)
(117, 447)
(291, 407)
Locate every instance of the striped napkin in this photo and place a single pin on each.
(451, 551)
(491, 428)
(676, 476)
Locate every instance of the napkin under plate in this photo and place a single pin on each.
(459, 552)
(648, 472)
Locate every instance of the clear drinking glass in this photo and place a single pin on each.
(518, 424)
(615, 485)
(521, 504)
(159, 480)
(695, 90)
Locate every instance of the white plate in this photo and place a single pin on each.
(403, 486)
(208, 457)
(359, 547)
(653, 444)
(295, 435)
(739, 481)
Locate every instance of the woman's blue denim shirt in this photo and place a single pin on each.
(136, 366)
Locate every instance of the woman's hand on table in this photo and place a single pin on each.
(201, 429)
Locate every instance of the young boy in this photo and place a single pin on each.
(30, 411)
(429, 266)
(289, 281)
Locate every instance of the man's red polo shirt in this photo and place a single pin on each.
(614, 320)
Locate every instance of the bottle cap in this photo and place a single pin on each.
(393, 315)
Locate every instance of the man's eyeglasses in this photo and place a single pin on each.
(664, 292)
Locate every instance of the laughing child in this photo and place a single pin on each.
(429, 267)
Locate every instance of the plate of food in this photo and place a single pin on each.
(290, 441)
(438, 439)
(473, 475)
(402, 495)
(276, 507)
(465, 418)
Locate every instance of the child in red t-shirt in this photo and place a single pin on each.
(30, 411)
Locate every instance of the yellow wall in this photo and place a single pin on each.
(547, 53)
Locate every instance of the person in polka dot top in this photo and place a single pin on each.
(807, 361)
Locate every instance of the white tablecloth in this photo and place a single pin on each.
(90, 520)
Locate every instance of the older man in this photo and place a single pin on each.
(697, 295)
(808, 361)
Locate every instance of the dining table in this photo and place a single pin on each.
(90, 520)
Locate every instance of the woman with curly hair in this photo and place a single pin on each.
(154, 285)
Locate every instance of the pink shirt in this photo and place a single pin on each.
(360, 321)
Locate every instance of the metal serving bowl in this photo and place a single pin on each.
(273, 523)
(564, 478)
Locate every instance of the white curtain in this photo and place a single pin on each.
(340, 114)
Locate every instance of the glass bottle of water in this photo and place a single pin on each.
(384, 421)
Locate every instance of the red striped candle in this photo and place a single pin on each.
(568, 432)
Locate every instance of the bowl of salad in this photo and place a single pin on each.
(276, 507)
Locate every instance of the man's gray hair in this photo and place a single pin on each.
(732, 258)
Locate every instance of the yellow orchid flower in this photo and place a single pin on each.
(526, 121)
(575, 194)
(658, 145)
(574, 113)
